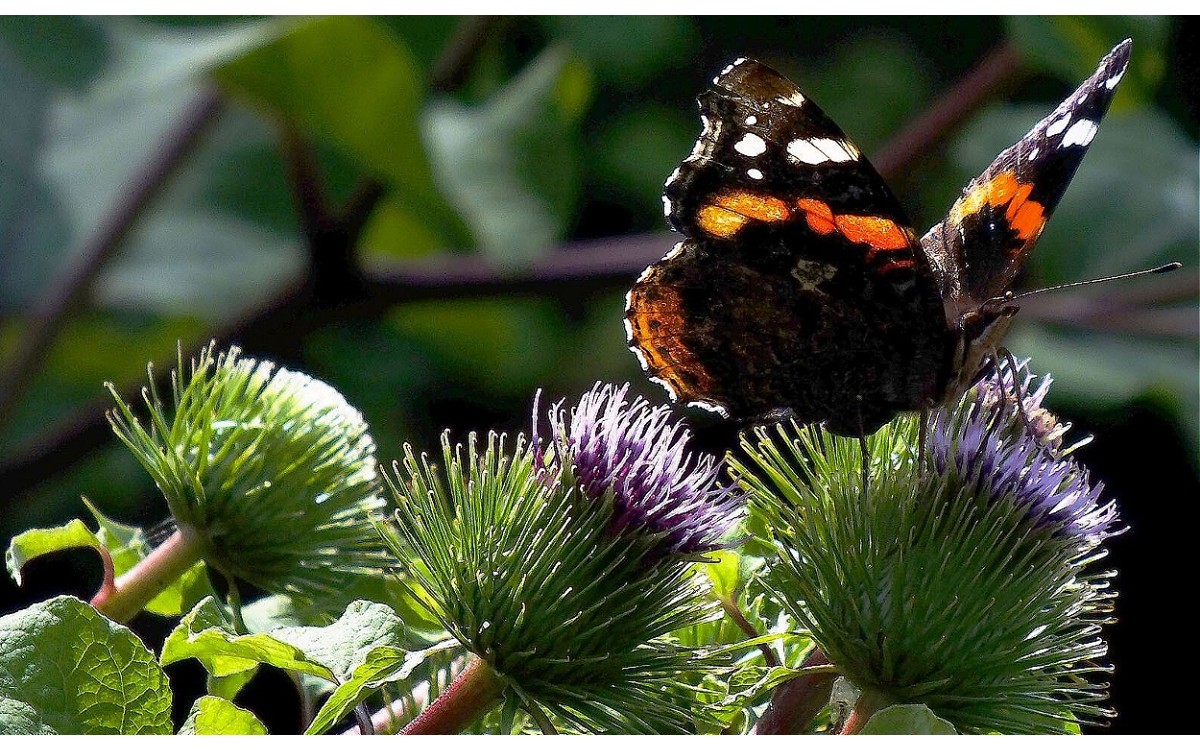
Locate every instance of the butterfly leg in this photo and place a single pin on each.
(1018, 397)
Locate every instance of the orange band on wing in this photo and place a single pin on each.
(760, 207)
(876, 231)
(720, 222)
(818, 214)
(1026, 217)
(731, 211)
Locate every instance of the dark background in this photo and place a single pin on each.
(441, 215)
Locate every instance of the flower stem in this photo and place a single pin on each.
(869, 703)
(797, 701)
(122, 601)
(471, 694)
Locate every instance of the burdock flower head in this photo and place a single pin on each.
(1013, 449)
(964, 582)
(270, 474)
(637, 455)
(564, 565)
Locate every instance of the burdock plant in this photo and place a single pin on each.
(965, 582)
(563, 563)
(270, 477)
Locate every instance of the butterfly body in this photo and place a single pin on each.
(800, 287)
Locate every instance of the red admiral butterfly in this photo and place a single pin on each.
(801, 288)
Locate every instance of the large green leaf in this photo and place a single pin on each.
(64, 669)
(508, 164)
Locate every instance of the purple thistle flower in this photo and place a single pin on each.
(986, 443)
(639, 453)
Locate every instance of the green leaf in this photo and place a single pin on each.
(378, 667)
(911, 718)
(1071, 46)
(350, 651)
(212, 715)
(36, 542)
(344, 644)
(725, 574)
(206, 634)
(508, 164)
(65, 669)
(352, 82)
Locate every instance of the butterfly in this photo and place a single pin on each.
(801, 289)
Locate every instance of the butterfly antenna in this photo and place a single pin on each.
(1175, 266)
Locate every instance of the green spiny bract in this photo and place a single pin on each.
(272, 469)
(974, 597)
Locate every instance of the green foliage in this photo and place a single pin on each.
(1067, 46)
(350, 81)
(64, 669)
(508, 164)
(213, 715)
(525, 574)
(126, 546)
(907, 719)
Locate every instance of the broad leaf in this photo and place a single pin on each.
(36, 542)
(65, 669)
(377, 667)
(907, 719)
(212, 715)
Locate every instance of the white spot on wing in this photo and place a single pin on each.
(1080, 134)
(710, 406)
(805, 151)
(1111, 83)
(751, 120)
(641, 358)
(673, 251)
(821, 150)
(1059, 125)
(666, 206)
(794, 99)
(754, 174)
(667, 387)
(750, 145)
(1032, 154)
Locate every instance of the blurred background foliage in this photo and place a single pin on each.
(440, 215)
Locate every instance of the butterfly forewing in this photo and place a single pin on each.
(800, 277)
(990, 230)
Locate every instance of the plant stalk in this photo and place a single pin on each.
(472, 693)
(869, 704)
(130, 593)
